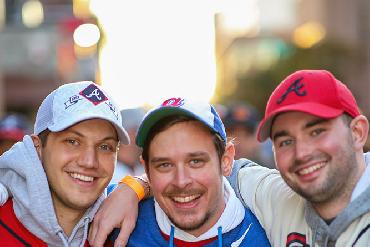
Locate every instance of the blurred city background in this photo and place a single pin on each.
(144, 51)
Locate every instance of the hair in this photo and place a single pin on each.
(169, 121)
(347, 119)
(44, 137)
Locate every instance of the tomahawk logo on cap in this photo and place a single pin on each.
(75, 102)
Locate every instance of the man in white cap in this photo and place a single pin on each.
(56, 177)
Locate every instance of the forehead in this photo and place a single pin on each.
(95, 126)
(292, 119)
(192, 132)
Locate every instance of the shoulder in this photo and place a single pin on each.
(146, 231)
(6, 210)
(12, 232)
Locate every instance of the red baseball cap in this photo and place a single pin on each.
(315, 92)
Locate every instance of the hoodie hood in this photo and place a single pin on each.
(22, 173)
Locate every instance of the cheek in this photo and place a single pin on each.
(332, 145)
(108, 163)
(283, 160)
(159, 182)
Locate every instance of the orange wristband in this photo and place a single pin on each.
(134, 185)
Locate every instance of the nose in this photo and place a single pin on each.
(303, 150)
(182, 177)
(89, 158)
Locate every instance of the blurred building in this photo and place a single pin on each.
(257, 43)
(38, 51)
(283, 36)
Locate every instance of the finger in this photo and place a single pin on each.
(92, 233)
(124, 234)
(100, 237)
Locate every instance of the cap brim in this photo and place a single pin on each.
(319, 110)
(121, 132)
(154, 116)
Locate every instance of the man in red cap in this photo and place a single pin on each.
(318, 135)
(320, 194)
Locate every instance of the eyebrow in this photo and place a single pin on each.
(306, 126)
(163, 159)
(158, 159)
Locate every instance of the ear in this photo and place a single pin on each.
(146, 168)
(37, 144)
(227, 160)
(360, 130)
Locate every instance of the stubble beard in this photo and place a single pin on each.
(339, 182)
(191, 226)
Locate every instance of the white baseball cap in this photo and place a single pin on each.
(72, 103)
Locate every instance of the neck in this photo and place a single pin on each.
(67, 217)
(331, 209)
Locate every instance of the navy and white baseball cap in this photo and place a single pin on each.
(72, 103)
(201, 111)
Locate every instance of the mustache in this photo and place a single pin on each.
(182, 192)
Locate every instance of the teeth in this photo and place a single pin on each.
(185, 199)
(311, 169)
(81, 177)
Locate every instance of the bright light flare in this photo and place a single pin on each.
(241, 16)
(308, 34)
(156, 49)
(86, 35)
(32, 13)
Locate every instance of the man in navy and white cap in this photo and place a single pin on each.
(57, 175)
(186, 156)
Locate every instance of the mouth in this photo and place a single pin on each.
(311, 169)
(80, 177)
(186, 199)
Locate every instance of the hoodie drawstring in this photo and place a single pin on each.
(61, 236)
(219, 236)
(84, 237)
(172, 236)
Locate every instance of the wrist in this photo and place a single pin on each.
(143, 180)
(135, 184)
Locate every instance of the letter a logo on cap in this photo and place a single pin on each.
(93, 94)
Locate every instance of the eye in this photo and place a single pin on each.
(107, 147)
(317, 132)
(284, 143)
(196, 162)
(72, 142)
(163, 167)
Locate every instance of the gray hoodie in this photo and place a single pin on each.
(22, 173)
